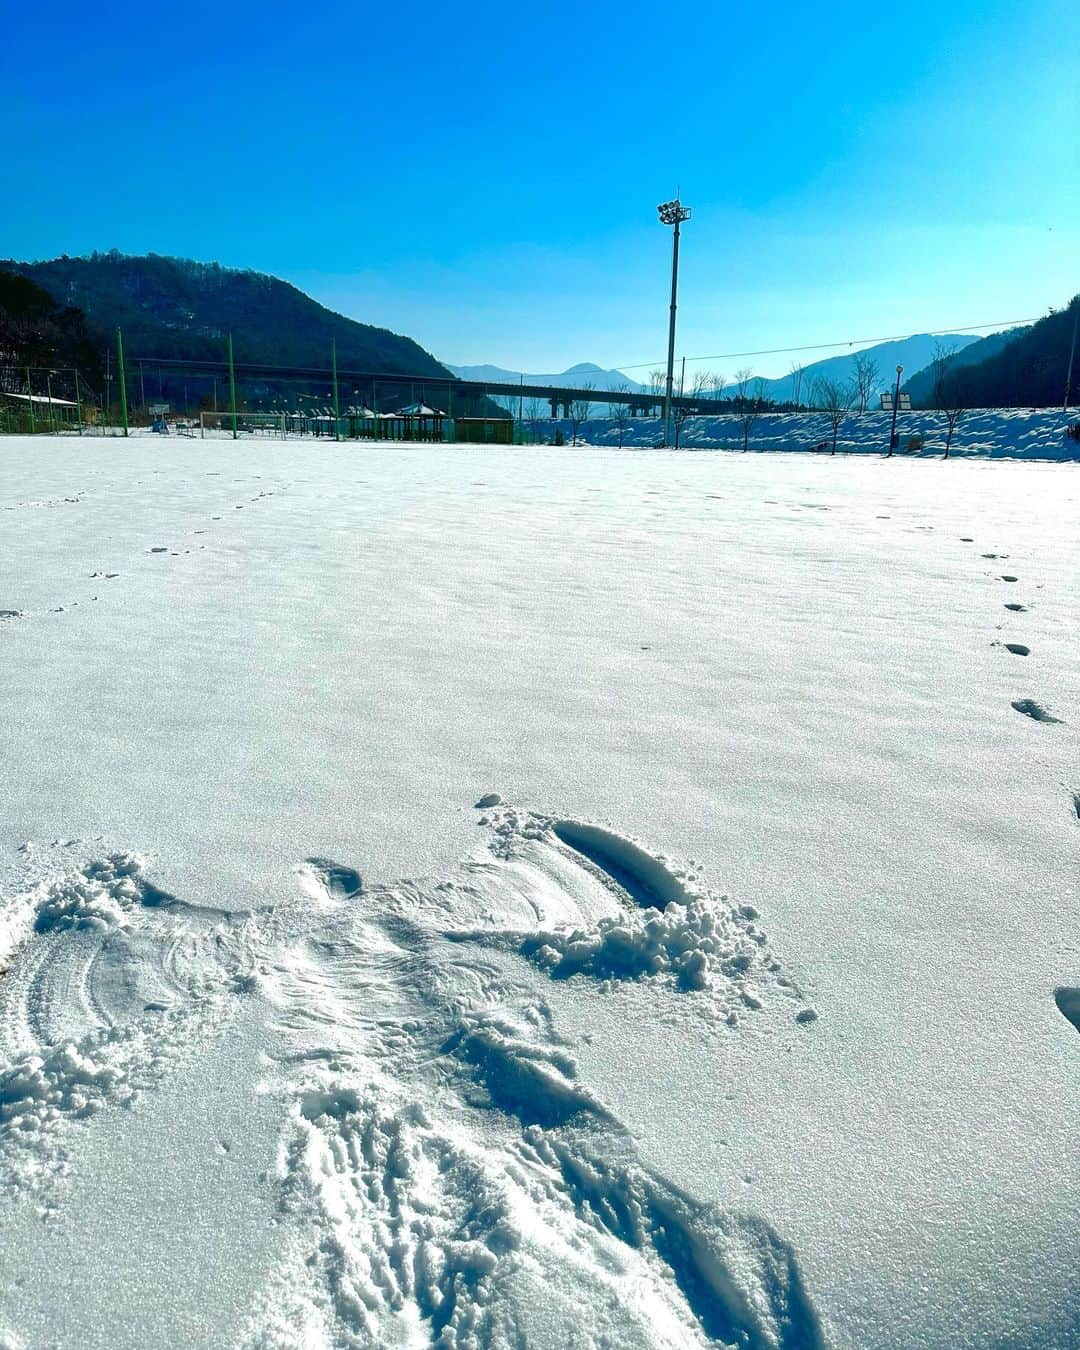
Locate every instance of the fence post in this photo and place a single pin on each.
(232, 389)
(333, 367)
(30, 400)
(123, 379)
(78, 400)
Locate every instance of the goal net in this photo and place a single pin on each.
(247, 424)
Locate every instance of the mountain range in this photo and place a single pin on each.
(913, 353)
(585, 373)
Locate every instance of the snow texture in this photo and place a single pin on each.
(740, 1010)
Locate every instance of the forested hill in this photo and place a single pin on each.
(176, 307)
(922, 383)
(1026, 371)
(36, 331)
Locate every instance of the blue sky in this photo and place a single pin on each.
(484, 178)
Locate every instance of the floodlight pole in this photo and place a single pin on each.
(672, 213)
(895, 407)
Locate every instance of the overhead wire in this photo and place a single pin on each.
(821, 346)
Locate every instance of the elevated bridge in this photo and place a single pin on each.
(437, 391)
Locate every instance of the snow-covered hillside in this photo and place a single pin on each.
(525, 897)
(984, 432)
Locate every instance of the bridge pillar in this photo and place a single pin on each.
(554, 408)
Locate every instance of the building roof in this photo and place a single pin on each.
(43, 399)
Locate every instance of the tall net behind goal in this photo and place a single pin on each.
(247, 424)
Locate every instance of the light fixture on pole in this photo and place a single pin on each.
(672, 213)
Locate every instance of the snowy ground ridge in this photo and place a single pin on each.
(994, 433)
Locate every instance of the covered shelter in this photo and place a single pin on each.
(39, 412)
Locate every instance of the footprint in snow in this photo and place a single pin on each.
(1017, 648)
(1068, 1004)
(1029, 708)
(1009, 578)
(1017, 609)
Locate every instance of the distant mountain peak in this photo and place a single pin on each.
(584, 372)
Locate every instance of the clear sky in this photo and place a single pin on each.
(484, 178)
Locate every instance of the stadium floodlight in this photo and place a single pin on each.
(672, 213)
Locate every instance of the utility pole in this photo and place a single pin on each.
(895, 408)
(672, 213)
(1072, 355)
(232, 389)
(123, 380)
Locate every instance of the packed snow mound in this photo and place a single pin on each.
(667, 923)
(72, 1079)
(99, 896)
(691, 943)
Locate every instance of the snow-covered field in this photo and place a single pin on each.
(1011, 433)
(742, 1011)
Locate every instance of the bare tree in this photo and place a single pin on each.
(940, 366)
(620, 413)
(718, 382)
(835, 399)
(953, 413)
(945, 391)
(751, 404)
(535, 413)
(798, 374)
(867, 375)
(577, 412)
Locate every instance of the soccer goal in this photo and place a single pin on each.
(247, 424)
